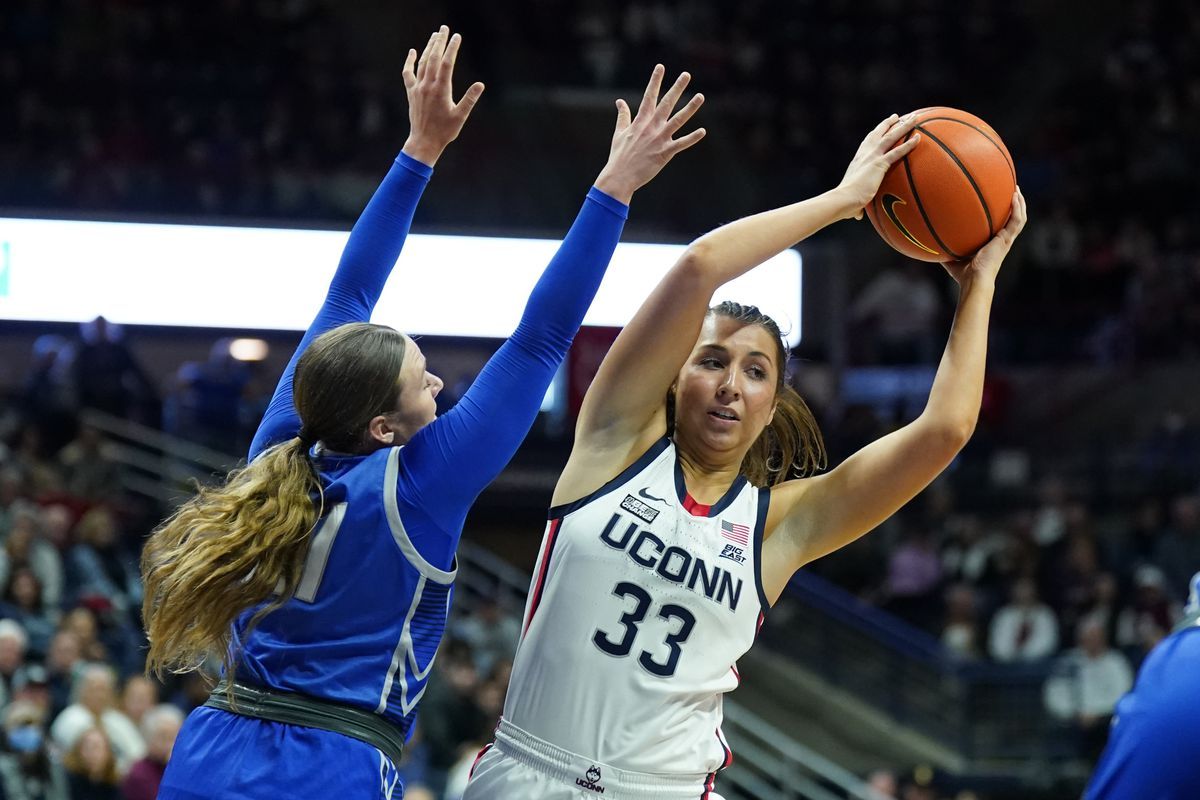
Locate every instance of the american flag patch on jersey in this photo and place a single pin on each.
(735, 533)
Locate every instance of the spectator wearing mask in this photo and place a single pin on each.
(29, 770)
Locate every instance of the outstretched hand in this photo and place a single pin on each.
(875, 156)
(986, 263)
(435, 119)
(643, 145)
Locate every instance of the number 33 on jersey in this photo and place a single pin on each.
(642, 602)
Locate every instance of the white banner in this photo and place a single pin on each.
(275, 279)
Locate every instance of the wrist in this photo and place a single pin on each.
(614, 187)
(845, 202)
(422, 150)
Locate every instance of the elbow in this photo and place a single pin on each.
(696, 259)
(949, 436)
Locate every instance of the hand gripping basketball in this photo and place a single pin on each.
(875, 156)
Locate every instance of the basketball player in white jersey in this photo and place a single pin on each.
(665, 546)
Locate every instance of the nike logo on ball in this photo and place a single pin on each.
(889, 202)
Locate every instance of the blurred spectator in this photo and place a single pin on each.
(13, 643)
(900, 307)
(1090, 680)
(22, 602)
(450, 713)
(960, 632)
(100, 566)
(29, 769)
(1025, 629)
(108, 377)
(492, 632)
(1178, 550)
(139, 695)
(209, 404)
(29, 457)
(92, 767)
(48, 399)
(26, 548)
(91, 474)
(913, 575)
(82, 622)
(160, 727)
(62, 662)
(883, 782)
(1149, 617)
(95, 706)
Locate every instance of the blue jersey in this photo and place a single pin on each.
(1153, 750)
(368, 614)
(371, 606)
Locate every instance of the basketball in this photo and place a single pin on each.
(951, 194)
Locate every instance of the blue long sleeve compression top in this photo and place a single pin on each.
(449, 462)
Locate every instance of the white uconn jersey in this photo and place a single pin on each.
(641, 603)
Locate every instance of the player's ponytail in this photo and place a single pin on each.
(242, 545)
(791, 446)
(230, 548)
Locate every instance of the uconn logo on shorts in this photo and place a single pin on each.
(591, 780)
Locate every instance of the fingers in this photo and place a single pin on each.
(900, 151)
(882, 127)
(470, 98)
(423, 62)
(623, 116)
(437, 54)
(673, 94)
(650, 98)
(450, 57)
(409, 74)
(899, 129)
(684, 142)
(1018, 217)
(686, 113)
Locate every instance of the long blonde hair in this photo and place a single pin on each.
(791, 445)
(242, 544)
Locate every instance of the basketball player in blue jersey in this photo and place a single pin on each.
(322, 572)
(677, 521)
(1153, 750)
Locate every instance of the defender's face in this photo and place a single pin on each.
(419, 388)
(725, 393)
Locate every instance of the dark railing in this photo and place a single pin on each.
(986, 713)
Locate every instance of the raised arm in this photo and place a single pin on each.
(623, 412)
(378, 236)
(818, 515)
(450, 461)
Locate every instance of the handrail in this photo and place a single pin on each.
(892, 631)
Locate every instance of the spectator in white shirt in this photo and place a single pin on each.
(1090, 680)
(95, 705)
(1024, 630)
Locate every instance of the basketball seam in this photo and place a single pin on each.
(1008, 162)
(920, 207)
(978, 193)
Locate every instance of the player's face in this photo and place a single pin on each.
(418, 390)
(725, 392)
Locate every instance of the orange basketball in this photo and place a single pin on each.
(951, 194)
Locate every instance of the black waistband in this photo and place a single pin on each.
(309, 712)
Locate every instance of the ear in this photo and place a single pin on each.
(379, 431)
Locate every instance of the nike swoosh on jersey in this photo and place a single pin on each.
(647, 496)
